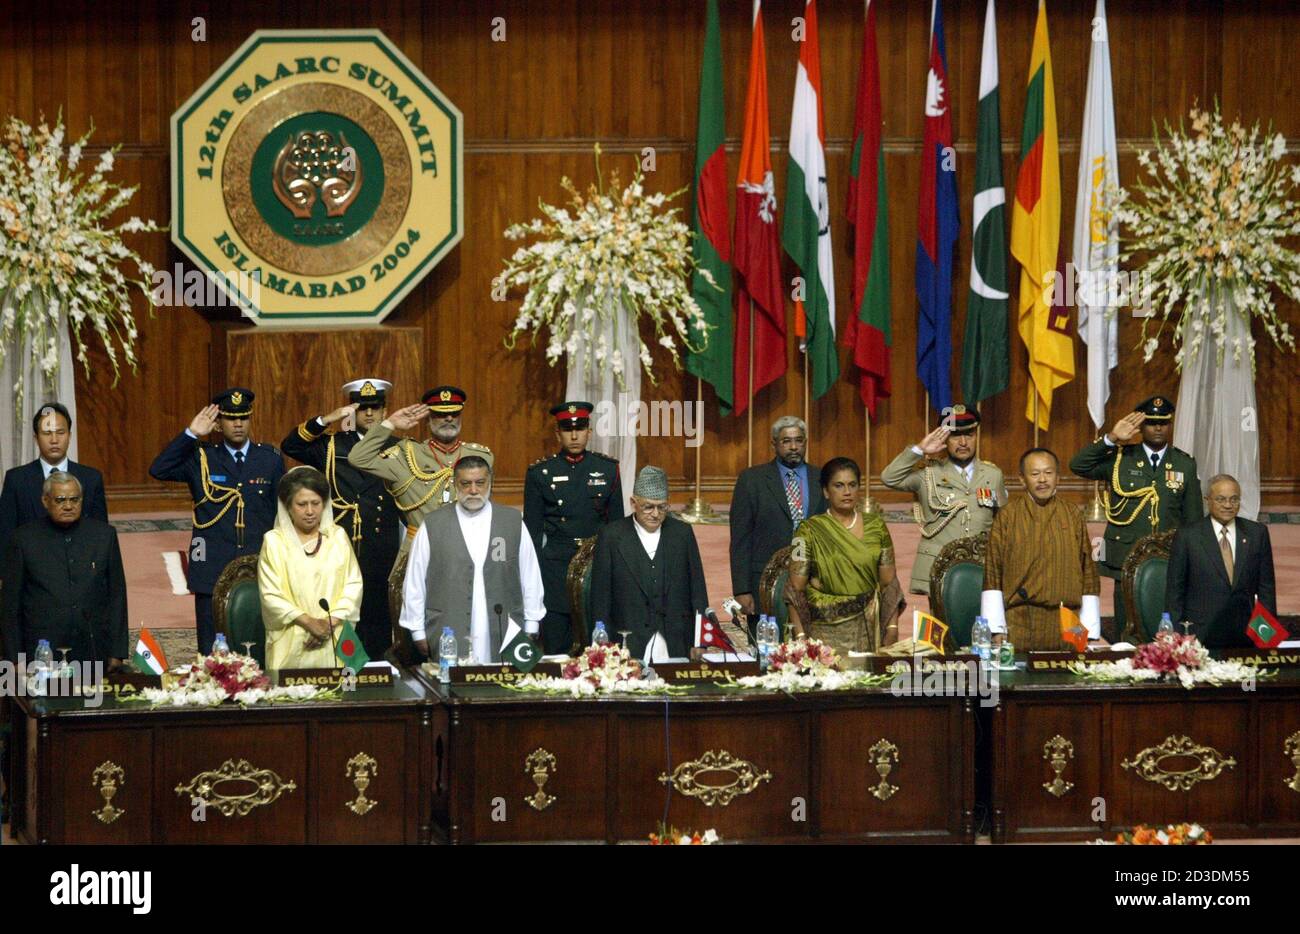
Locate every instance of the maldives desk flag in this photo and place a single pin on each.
(868, 334)
(1036, 236)
(148, 656)
(928, 630)
(1264, 630)
(349, 650)
(937, 224)
(756, 255)
(711, 241)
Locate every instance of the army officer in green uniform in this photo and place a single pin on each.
(568, 497)
(1151, 486)
(955, 498)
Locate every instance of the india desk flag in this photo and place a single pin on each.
(806, 235)
(1096, 232)
(1036, 235)
(928, 630)
(986, 355)
(148, 655)
(868, 334)
(349, 650)
(711, 241)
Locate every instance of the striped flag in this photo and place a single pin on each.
(868, 333)
(986, 352)
(1036, 235)
(148, 656)
(711, 244)
(1096, 233)
(807, 231)
(756, 255)
(937, 225)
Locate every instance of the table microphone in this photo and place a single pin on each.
(497, 608)
(732, 606)
(713, 618)
(325, 605)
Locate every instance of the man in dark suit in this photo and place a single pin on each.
(646, 573)
(20, 501)
(362, 505)
(232, 483)
(64, 582)
(1218, 567)
(769, 502)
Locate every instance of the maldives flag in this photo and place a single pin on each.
(868, 332)
(937, 226)
(710, 244)
(760, 303)
(807, 231)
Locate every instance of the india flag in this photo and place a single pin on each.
(148, 655)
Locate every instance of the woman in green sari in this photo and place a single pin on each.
(841, 565)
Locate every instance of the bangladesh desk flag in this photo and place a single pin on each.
(148, 655)
(517, 649)
(928, 630)
(1264, 630)
(349, 650)
(1072, 629)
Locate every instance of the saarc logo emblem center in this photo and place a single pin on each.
(316, 177)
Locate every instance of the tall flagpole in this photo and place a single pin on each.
(697, 510)
(750, 406)
(1035, 389)
(978, 425)
(869, 505)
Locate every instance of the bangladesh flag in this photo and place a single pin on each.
(349, 649)
(1264, 630)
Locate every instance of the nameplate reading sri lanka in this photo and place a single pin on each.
(884, 664)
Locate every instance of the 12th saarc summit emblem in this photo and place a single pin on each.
(316, 177)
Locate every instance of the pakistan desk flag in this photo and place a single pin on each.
(986, 354)
(517, 649)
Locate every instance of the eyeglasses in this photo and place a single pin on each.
(1226, 500)
(652, 507)
(64, 500)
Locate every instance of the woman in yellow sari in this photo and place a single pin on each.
(841, 565)
(304, 559)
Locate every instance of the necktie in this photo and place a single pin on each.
(239, 458)
(1225, 549)
(794, 495)
(1155, 461)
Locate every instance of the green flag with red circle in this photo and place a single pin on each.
(349, 650)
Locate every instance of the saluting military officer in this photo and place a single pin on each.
(1150, 486)
(418, 476)
(232, 483)
(361, 504)
(955, 498)
(567, 497)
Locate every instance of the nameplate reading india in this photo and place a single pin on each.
(316, 177)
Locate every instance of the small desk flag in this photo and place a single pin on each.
(1264, 630)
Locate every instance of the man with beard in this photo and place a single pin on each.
(418, 476)
(955, 498)
(568, 496)
(361, 505)
(468, 560)
(767, 505)
(1038, 560)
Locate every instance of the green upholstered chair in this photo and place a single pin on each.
(956, 582)
(578, 582)
(771, 589)
(1142, 582)
(237, 607)
(402, 652)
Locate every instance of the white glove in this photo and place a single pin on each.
(993, 609)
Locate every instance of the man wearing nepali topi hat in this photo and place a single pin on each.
(646, 574)
(956, 497)
(418, 474)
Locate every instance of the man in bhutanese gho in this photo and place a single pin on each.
(1149, 486)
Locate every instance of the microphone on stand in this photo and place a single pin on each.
(732, 606)
(713, 618)
(497, 608)
(325, 605)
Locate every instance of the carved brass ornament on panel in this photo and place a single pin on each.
(261, 787)
(884, 756)
(1291, 749)
(1150, 763)
(106, 779)
(360, 768)
(744, 778)
(539, 766)
(1058, 751)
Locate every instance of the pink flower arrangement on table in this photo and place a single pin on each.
(805, 657)
(1169, 651)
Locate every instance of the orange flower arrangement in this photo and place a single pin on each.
(1170, 835)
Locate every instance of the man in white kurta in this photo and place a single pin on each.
(473, 516)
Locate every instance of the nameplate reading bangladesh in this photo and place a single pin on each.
(316, 177)
(335, 677)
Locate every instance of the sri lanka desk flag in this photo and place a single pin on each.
(1264, 630)
(349, 650)
(928, 630)
(148, 655)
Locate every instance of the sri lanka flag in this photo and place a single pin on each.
(937, 226)
(928, 630)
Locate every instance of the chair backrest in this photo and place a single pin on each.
(956, 582)
(578, 583)
(402, 652)
(237, 607)
(1142, 581)
(771, 589)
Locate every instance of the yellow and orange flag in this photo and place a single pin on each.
(1072, 629)
(1046, 328)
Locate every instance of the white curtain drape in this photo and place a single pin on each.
(1217, 421)
(587, 380)
(17, 444)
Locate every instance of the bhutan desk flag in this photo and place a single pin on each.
(927, 630)
(1264, 630)
(349, 650)
(1072, 629)
(148, 655)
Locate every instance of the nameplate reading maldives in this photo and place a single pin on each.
(316, 177)
(328, 677)
(1261, 658)
(1061, 661)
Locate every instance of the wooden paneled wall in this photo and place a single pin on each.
(571, 73)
